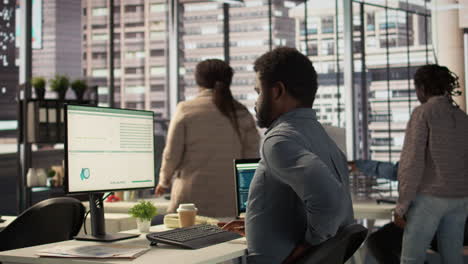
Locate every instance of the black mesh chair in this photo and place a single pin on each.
(338, 249)
(52, 220)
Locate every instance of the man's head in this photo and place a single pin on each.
(285, 80)
(434, 80)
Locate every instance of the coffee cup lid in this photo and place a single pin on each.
(187, 207)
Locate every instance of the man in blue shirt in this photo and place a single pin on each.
(299, 196)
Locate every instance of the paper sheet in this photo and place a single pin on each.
(94, 251)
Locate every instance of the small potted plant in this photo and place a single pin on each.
(50, 178)
(79, 87)
(60, 85)
(144, 211)
(39, 86)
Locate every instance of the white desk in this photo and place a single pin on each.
(372, 210)
(362, 209)
(161, 254)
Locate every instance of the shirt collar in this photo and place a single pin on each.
(302, 112)
(438, 98)
(205, 92)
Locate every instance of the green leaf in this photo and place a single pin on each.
(144, 210)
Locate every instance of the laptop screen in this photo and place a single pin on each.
(244, 172)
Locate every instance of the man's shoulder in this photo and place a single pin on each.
(282, 132)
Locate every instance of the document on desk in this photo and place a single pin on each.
(94, 251)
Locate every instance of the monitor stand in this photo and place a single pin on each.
(98, 228)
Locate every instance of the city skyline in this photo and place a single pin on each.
(141, 55)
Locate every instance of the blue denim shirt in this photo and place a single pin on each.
(300, 191)
(379, 169)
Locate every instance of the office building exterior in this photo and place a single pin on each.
(389, 100)
(58, 50)
(140, 48)
(249, 38)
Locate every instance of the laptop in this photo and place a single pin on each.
(244, 170)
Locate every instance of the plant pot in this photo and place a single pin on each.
(80, 95)
(61, 94)
(143, 225)
(40, 93)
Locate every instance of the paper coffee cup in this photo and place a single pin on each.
(187, 213)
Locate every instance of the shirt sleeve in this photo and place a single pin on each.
(174, 150)
(412, 160)
(311, 180)
(379, 169)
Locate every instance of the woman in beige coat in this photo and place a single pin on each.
(204, 137)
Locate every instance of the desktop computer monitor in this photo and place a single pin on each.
(107, 149)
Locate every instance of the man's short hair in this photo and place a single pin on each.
(293, 69)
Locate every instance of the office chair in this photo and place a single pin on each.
(52, 220)
(338, 249)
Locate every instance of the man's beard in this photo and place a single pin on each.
(263, 113)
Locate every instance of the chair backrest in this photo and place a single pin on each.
(52, 220)
(338, 249)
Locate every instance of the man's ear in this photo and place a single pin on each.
(279, 90)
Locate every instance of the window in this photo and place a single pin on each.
(135, 90)
(157, 87)
(327, 47)
(157, 8)
(157, 104)
(157, 53)
(99, 26)
(133, 8)
(99, 36)
(157, 70)
(99, 73)
(157, 35)
(99, 11)
(135, 24)
(200, 7)
(313, 49)
(327, 24)
(134, 54)
(370, 21)
(99, 55)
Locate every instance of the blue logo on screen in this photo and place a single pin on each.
(84, 175)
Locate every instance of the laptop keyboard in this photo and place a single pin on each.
(193, 237)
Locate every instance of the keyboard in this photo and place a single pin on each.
(193, 237)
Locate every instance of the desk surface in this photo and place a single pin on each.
(160, 254)
(372, 210)
(362, 209)
(169, 254)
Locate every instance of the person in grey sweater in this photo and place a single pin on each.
(433, 170)
(299, 196)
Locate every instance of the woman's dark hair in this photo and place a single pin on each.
(217, 75)
(434, 80)
(293, 69)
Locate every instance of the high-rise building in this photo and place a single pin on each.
(9, 79)
(388, 68)
(56, 38)
(56, 44)
(249, 37)
(140, 43)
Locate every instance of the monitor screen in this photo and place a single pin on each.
(245, 170)
(108, 149)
